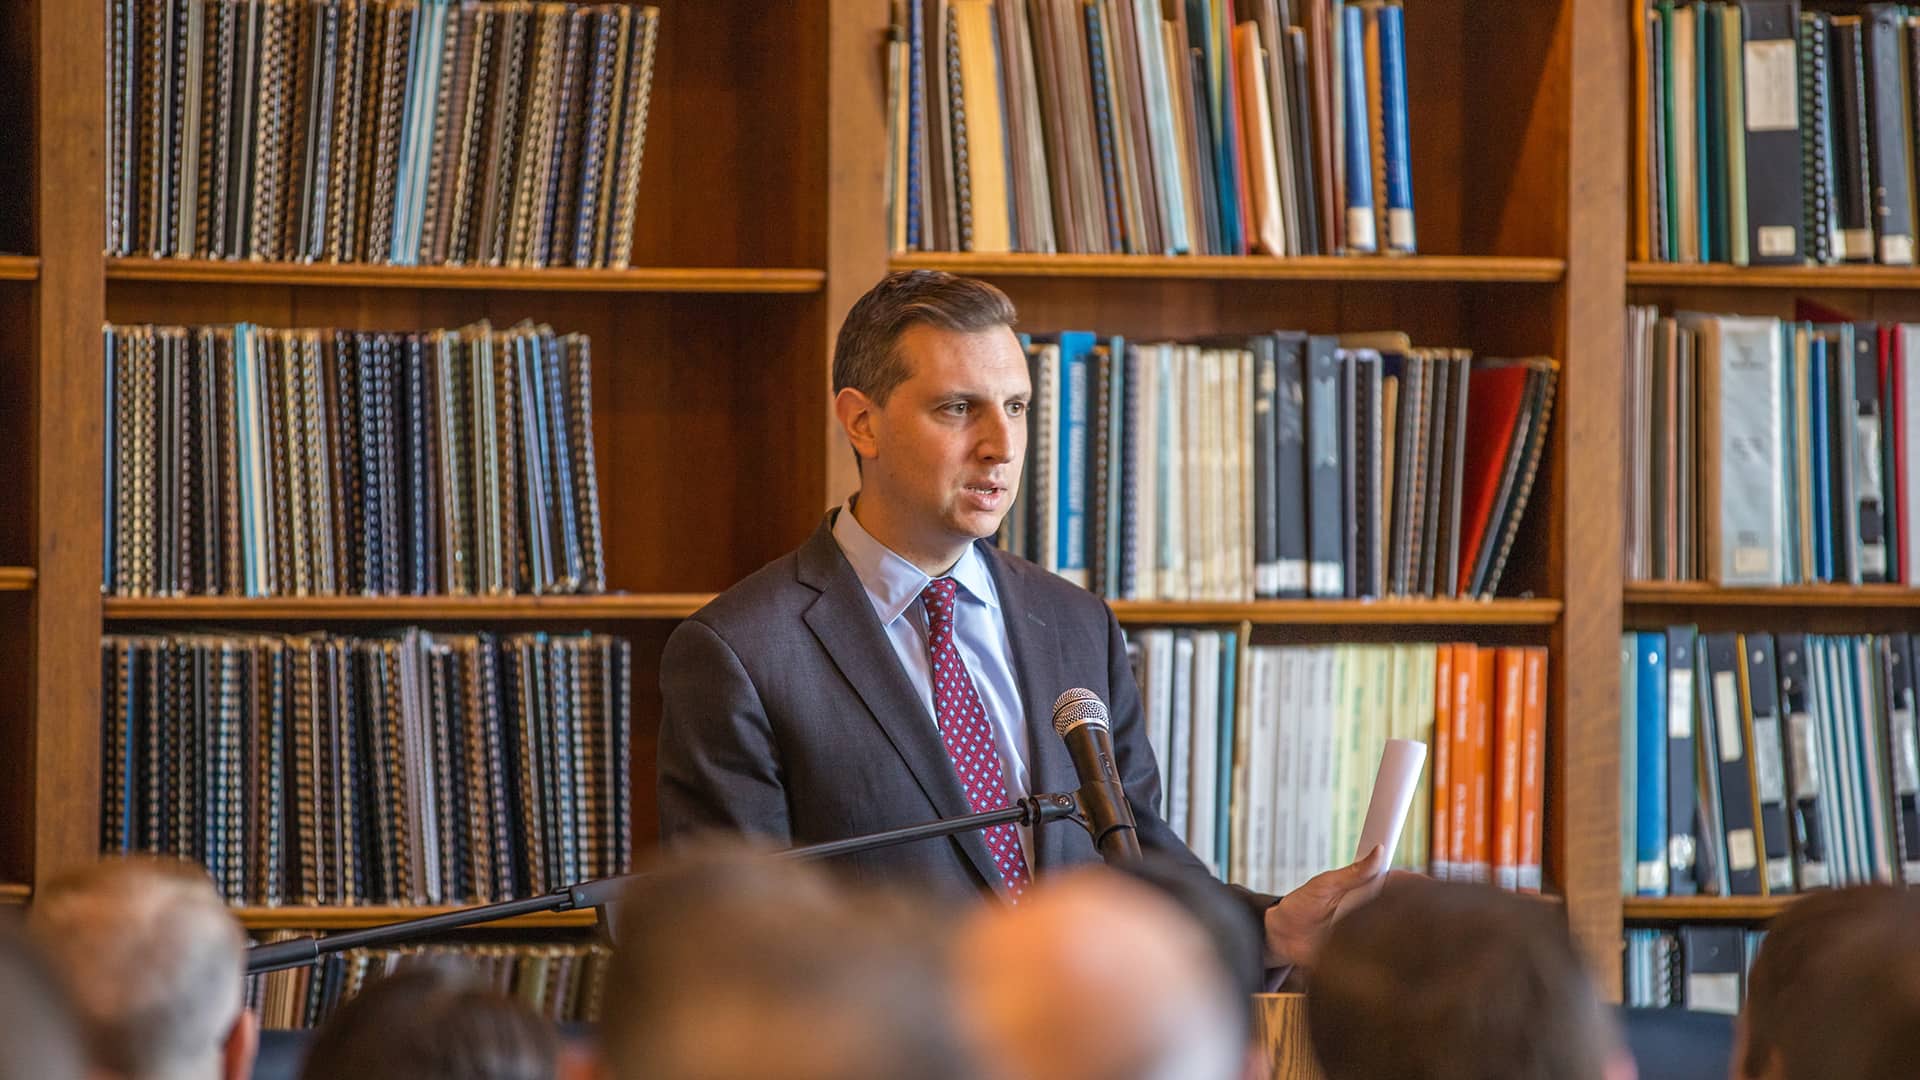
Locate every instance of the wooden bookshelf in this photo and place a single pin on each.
(296, 917)
(1703, 908)
(1723, 276)
(757, 228)
(506, 279)
(609, 607)
(16, 578)
(1345, 612)
(14, 894)
(1705, 595)
(1386, 268)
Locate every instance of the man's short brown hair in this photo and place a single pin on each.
(1438, 981)
(865, 357)
(1835, 990)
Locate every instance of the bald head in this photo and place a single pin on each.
(1098, 977)
(154, 963)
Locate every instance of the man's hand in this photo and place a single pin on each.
(1299, 922)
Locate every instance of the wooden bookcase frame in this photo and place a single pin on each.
(761, 222)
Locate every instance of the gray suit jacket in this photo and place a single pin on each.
(788, 716)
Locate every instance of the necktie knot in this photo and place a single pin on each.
(938, 597)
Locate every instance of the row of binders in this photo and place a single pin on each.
(1700, 968)
(563, 983)
(1277, 465)
(418, 768)
(1204, 127)
(1268, 754)
(398, 132)
(244, 461)
(1764, 764)
(1768, 134)
(1767, 452)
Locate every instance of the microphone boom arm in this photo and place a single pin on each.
(1032, 811)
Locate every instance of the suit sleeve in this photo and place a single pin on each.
(1141, 776)
(718, 765)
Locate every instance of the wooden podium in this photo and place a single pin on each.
(1280, 1027)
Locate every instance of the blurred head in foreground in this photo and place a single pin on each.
(1435, 981)
(154, 962)
(1098, 976)
(1835, 990)
(728, 963)
(433, 1022)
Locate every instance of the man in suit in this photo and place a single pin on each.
(898, 667)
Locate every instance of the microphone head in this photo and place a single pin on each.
(1078, 706)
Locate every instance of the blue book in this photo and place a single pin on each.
(1208, 35)
(1789, 455)
(916, 117)
(243, 437)
(1119, 527)
(1822, 495)
(1356, 134)
(1629, 763)
(1223, 809)
(1398, 151)
(1071, 515)
(1650, 765)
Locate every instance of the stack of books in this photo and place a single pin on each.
(417, 768)
(401, 132)
(1276, 127)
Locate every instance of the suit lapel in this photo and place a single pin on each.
(843, 621)
(1035, 644)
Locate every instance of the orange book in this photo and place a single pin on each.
(1480, 826)
(1533, 769)
(1440, 831)
(1460, 770)
(1507, 722)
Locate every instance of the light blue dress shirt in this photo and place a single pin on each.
(979, 632)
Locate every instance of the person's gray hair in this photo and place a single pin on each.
(153, 959)
(865, 357)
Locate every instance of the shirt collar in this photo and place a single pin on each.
(893, 583)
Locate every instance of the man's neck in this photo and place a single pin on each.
(872, 517)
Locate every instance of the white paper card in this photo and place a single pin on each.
(1393, 788)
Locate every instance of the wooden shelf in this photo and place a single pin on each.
(1703, 908)
(295, 917)
(14, 894)
(17, 578)
(1444, 268)
(1702, 594)
(616, 606)
(557, 279)
(1345, 612)
(19, 268)
(1723, 276)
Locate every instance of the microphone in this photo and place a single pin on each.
(1081, 719)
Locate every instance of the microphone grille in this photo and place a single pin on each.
(1078, 706)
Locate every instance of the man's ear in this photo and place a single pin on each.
(857, 414)
(243, 1042)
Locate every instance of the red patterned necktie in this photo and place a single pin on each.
(967, 735)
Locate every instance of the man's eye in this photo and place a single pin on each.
(1017, 408)
(957, 408)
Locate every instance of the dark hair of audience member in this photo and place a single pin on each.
(39, 1035)
(728, 963)
(1235, 936)
(433, 1022)
(1835, 989)
(1435, 981)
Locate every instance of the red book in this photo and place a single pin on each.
(1496, 396)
